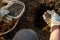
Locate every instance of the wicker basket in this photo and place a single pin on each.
(16, 17)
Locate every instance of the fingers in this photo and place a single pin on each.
(44, 16)
(47, 17)
(50, 12)
(4, 1)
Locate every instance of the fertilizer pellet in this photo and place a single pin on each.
(15, 9)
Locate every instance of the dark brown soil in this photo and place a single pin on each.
(32, 19)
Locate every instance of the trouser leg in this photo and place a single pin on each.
(26, 34)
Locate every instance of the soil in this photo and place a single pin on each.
(32, 19)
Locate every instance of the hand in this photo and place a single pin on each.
(3, 13)
(51, 18)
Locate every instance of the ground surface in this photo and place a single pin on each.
(32, 19)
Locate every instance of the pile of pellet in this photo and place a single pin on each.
(15, 9)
